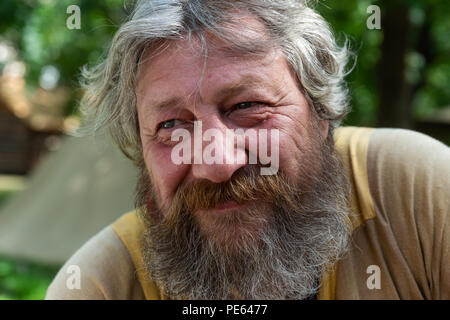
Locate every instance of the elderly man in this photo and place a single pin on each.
(248, 188)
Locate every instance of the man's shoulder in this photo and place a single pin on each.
(394, 146)
(101, 269)
(408, 176)
(129, 229)
(397, 159)
(408, 164)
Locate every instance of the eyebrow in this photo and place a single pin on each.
(245, 83)
(173, 101)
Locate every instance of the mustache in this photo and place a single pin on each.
(246, 184)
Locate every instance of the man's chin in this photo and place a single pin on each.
(234, 225)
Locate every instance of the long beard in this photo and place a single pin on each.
(277, 248)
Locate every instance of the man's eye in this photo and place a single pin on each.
(245, 105)
(169, 124)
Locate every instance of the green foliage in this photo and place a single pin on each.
(39, 32)
(5, 195)
(348, 19)
(430, 74)
(24, 280)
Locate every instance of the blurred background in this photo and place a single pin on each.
(57, 191)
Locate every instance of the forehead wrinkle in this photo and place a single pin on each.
(246, 83)
(231, 89)
(173, 102)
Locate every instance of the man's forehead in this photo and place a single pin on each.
(238, 86)
(200, 52)
(181, 57)
(180, 67)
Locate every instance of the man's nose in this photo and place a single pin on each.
(216, 156)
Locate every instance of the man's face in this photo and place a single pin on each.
(222, 230)
(180, 86)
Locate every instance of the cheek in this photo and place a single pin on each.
(290, 153)
(166, 176)
(294, 142)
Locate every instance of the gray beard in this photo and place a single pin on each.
(301, 240)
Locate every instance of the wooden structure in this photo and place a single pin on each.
(29, 125)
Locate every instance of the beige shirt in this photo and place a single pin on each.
(401, 239)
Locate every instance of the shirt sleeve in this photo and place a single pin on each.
(101, 269)
(409, 177)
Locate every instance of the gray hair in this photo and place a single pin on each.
(302, 34)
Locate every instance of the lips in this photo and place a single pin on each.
(229, 204)
(225, 207)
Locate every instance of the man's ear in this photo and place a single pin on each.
(324, 126)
